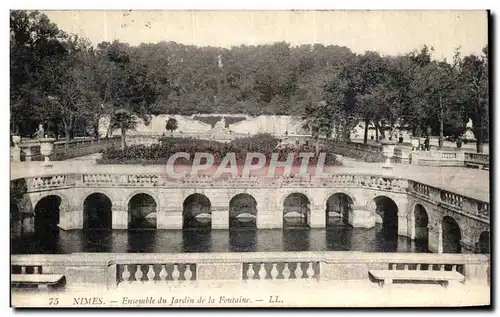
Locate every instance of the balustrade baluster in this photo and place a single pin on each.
(36, 270)
(138, 274)
(250, 271)
(274, 272)
(298, 271)
(163, 273)
(23, 269)
(125, 274)
(405, 267)
(441, 267)
(286, 272)
(151, 273)
(175, 273)
(310, 271)
(187, 273)
(262, 271)
(419, 267)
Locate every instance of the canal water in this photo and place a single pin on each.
(337, 237)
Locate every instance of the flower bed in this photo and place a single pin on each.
(160, 153)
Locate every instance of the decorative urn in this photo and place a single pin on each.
(46, 149)
(388, 152)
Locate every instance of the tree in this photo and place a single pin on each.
(33, 41)
(66, 85)
(124, 120)
(475, 77)
(171, 125)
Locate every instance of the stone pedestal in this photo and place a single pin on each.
(169, 219)
(269, 219)
(359, 217)
(15, 150)
(220, 218)
(317, 218)
(119, 219)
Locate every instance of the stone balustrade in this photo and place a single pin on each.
(154, 273)
(30, 149)
(155, 180)
(466, 205)
(477, 159)
(113, 270)
(280, 270)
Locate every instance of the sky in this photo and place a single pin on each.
(387, 32)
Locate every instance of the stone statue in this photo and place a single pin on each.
(220, 125)
(40, 133)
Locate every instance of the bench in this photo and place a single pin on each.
(443, 277)
(42, 281)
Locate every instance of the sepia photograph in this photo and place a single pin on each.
(249, 158)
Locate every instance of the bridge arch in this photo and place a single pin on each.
(451, 235)
(97, 211)
(483, 244)
(338, 206)
(142, 211)
(243, 211)
(421, 222)
(296, 210)
(386, 213)
(196, 212)
(48, 211)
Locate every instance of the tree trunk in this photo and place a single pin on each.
(96, 131)
(67, 137)
(123, 145)
(365, 139)
(317, 146)
(376, 132)
(479, 140)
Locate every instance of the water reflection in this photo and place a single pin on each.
(337, 237)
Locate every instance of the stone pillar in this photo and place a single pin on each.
(220, 217)
(435, 239)
(169, 219)
(403, 226)
(15, 154)
(69, 220)
(270, 219)
(28, 223)
(317, 218)
(119, 218)
(359, 217)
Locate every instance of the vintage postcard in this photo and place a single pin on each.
(249, 158)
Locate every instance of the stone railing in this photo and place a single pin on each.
(30, 149)
(437, 158)
(113, 270)
(477, 159)
(159, 180)
(466, 205)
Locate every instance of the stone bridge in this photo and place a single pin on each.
(450, 222)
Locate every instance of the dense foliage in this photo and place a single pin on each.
(61, 80)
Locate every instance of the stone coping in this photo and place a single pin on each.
(240, 257)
